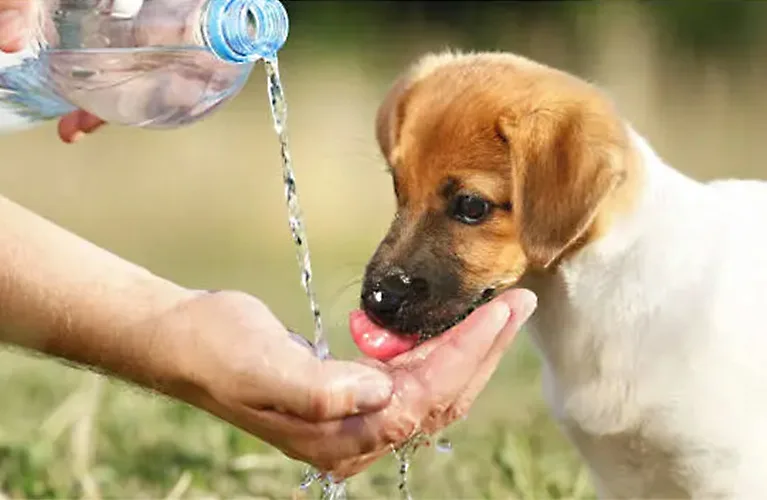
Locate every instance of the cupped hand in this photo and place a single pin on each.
(239, 362)
(337, 415)
(16, 21)
(436, 383)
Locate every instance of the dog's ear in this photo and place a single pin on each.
(390, 115)
(564, 165)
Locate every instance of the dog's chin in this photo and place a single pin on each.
(428, 322)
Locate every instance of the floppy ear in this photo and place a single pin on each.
(390, 114)
(564, 166)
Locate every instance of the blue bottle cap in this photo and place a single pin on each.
(240, 31)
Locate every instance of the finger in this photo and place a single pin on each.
(522, 304)
(77, 124)
(446, 370)
(318, 390)
(424, 350)
(22, 5)
(359, 441)
(325, 445)
(13, 27)
(355, 465)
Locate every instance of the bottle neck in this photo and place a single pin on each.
(242, 31)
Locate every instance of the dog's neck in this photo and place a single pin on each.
(663, 196)
(598, 297)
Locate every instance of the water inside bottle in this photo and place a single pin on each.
(330, 489)
(147, 87)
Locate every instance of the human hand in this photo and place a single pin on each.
(436, 383)
(275, 389)
(239, 363)
(15, 23)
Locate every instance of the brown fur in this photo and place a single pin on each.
(516, 132)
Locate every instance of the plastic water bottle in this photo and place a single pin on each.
(145, 63)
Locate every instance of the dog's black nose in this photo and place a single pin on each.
(384, 300)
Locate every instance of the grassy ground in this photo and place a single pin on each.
(66, 434)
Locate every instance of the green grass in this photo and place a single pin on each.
(70, 434)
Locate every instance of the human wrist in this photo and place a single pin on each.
(198, 350)
(122, 339)
(66, 297)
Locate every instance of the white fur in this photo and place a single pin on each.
(654, 342)
(126, 9)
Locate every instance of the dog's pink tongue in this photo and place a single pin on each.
(377, 342)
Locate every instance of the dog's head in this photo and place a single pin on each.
(500, 166)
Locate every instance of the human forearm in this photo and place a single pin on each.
(63, 296)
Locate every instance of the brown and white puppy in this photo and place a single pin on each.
(499, 167)
(650, 284)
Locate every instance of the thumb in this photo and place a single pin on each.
(330, 390)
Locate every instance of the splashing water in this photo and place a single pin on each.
(444, 445)
(404, 455)
(331, 490)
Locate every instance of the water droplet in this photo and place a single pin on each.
(443, 445)
(310, 476)
(81, 73)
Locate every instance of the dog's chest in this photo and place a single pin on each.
(627, 458)
(635, 448)
(620, 415)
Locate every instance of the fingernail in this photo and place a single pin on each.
(373, 391)
(12, 30)
(491, 318)
(524, 304)
(77, 136)
(498, 313)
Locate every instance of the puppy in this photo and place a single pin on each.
(651, 286)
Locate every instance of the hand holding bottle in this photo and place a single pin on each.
(141, 63)
(15, 24)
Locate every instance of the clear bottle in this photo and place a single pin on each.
(145, 63)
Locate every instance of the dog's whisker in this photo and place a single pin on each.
(357, 280)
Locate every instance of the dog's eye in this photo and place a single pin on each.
(470, 209)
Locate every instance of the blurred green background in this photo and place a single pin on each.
(204, 206)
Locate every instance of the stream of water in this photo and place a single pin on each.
(331, 490)
(295, 216)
